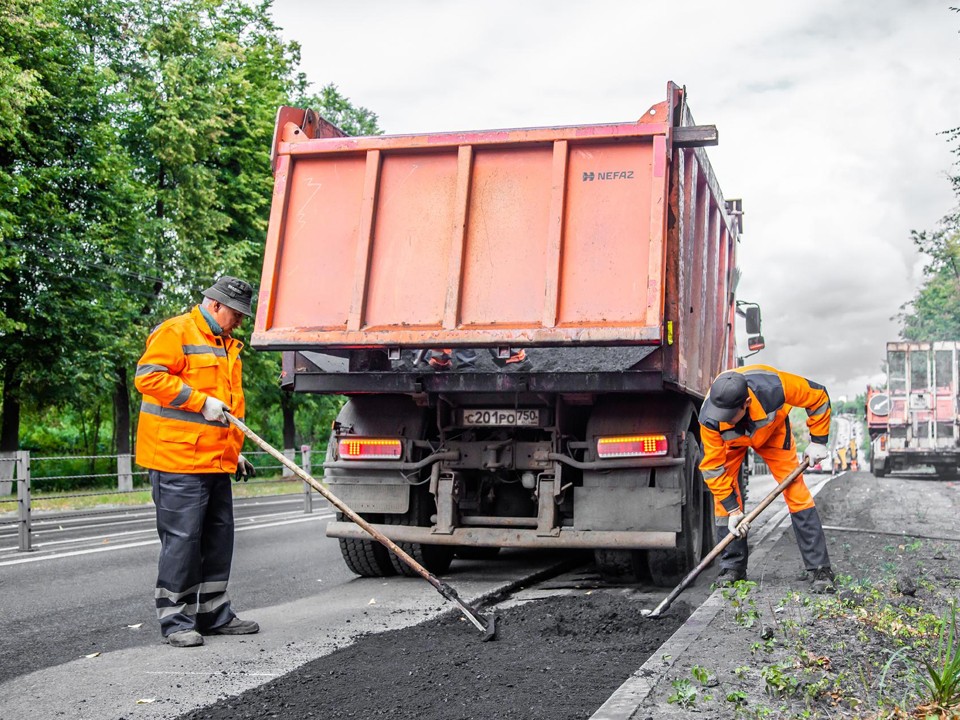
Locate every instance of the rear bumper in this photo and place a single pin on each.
(923, 457)
(514, 537)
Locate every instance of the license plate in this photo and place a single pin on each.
(527, 418)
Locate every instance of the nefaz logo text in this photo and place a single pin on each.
(608, 175)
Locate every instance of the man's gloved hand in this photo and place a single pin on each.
(213, 410)
(815, 452)
(245, 469)
(733, 521)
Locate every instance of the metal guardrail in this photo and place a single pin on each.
(16, 467)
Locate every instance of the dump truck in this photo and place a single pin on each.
(524, 323)
(913, 422)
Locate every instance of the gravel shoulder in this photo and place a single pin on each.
(774, 650)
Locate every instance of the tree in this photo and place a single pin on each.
(66, 191)
(934, 314)
(134, 169)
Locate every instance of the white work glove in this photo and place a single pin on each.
(734, 521)
(245, 469)
(815, 452)
(213, 410)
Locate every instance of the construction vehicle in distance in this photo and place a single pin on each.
(575, 287)
(913, 422)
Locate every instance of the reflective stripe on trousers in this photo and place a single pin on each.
(195, 525)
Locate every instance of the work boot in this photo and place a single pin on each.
(236, 627)
(729, 576)
(821, 581)
(185, 638)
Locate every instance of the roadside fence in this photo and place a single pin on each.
(21, 468)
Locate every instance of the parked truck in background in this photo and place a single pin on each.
(913, 422)
(605, 253)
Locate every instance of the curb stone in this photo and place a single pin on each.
(627, 699)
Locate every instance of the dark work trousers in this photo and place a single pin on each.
(807, 529)
(734, 555)
(195, 525)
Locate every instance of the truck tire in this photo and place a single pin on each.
(366, 558)
(669, 567)
(743, 478)
(880, 471)
(435, 558)
(620, 566)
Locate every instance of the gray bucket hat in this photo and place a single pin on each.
(232, 292)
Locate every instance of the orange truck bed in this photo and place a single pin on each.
(593, 235)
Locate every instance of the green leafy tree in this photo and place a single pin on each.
(205, 80)
(337, 109)
(934, 314)
(134, 169)
(66, 192)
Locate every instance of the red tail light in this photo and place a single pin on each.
(361, 448)
(632, 446)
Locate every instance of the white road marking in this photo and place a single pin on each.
(156, 541)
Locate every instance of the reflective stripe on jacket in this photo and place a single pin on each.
(772, 394)
(184, 363)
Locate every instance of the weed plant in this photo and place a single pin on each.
(942, 680)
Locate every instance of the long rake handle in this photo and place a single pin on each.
(719, 547)
(441, 587)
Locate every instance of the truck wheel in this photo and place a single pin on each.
(620, 566)
(669, 567)
(366, 558)
(435, 558)
(743, 478)
(880, 471)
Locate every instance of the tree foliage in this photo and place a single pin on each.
(134, 169)
(934, 313)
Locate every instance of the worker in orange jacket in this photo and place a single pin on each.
(749, 407)
(190, 374)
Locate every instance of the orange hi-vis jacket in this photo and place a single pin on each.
(766, 428)
(183, 364)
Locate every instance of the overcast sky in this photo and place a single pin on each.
(828, 113)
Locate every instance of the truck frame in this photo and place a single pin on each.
(578, 286)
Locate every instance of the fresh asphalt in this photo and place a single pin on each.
(78, 633)
(78, 636)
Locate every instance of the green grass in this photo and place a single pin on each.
(943, 674)
(91, 499)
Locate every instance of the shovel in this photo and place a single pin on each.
(488, 626)
(712, 555)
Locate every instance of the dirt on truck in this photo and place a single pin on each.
(525, 323)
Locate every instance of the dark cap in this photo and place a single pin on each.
(232, 292)
(727, 396)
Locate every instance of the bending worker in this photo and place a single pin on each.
(189, 375)
(749, 408)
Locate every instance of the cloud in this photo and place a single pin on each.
(828, 112)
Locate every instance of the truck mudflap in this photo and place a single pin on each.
(513, 537)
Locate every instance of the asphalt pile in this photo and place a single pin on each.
(557, 658)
